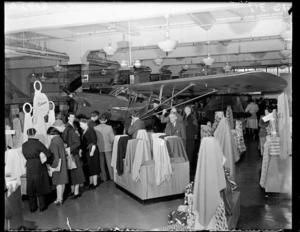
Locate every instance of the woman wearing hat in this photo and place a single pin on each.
(59, 178)
(90, 151)
(38, 182)
(72, 140)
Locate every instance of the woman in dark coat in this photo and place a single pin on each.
(57, 149)
(72, 141)
(90, 151)
(38, 181)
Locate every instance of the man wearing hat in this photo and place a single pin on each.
(157, 126)
(105, 139)
(136, 124)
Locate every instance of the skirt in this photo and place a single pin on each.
(77, 175)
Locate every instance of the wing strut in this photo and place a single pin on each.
(168, 99)
(184, 102)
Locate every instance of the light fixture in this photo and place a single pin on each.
(167, 45)
(103, 72)
(186, 66)
(137, 64)
(285, 53)
(124, 64)
(109, 50)
(158, 61)
(227, 67)
(57, 67)
(208, 61)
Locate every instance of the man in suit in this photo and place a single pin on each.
(105, 139)
(136, 124)
(175, 128)
(94, 121)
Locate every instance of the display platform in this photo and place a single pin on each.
(233, 219)
(146, 188)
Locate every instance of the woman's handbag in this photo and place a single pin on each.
(71, 164)
(57, 169)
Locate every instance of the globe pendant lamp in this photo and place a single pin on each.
(158, 61)
(167, 45)
(57, 67)
(109, 50)
(208, 61)
(137, 64)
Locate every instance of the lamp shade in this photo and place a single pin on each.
(167, 45)
(57, 68)
(285, 53)
(227, 68)
(109, 50)
(103, 72)
(185, 67)
(287, 35)
(137, 64)
(124, 64)
(158, 61)
(208, 61)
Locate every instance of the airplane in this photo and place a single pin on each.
(139, 96)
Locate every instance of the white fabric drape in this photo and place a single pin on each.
(142, 134)
(15, 163)
(27, 124)
(115, 152)
(284, 126)
(17, 138)
(162, 163)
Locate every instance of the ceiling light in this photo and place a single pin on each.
(43, 78)
(137, 64)
(57, 68)
(208, 61)
(185, 67)
(103, 72)
(285, 53)
(109, 50)
(167, 45)
(158, 61)
(124, 64)
(227, 68)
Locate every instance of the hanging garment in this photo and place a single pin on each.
(115, 151)
(121, 153)
(142, 134)
(240, 136)
(284, 126)
(21, 116)
(265, 163)
(229, 116)
(27, 121)
(141, 156)
(162, 167)
(130, 153)
(224, 136)
(176, 147)
(209, 181)
(17, 138)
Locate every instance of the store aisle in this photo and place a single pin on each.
(109, 207)
(256, 210)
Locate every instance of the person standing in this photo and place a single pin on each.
(72, 141)
(91, 152)
(175, 128)
(164, 117)
(191, 128)
(263, 130)
(94, 121)
(136, 124)
(251, 123)
(157, 126)
(38, 182)
(59, 178)
(105, 139)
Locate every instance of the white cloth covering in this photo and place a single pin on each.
(27, 124)
(142, 134)
(141, 155)
(209, 181)
(17, 138)
(115, 152)
(284, 126)
(162, 163)
(15, 163)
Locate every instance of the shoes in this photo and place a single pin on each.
(92, 187)
(71, 194)
(33, 210)
(57, 202)
(43, 208)
(75, 196)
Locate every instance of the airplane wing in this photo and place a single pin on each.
(232, 83)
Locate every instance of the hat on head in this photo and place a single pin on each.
(31, 132)
(156, 101)
(135, 113)
(58, 122)
(103, 117)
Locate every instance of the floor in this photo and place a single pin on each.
(109, 207)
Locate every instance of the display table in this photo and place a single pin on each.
(15, 163)
(146, 187)
(13, 205)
